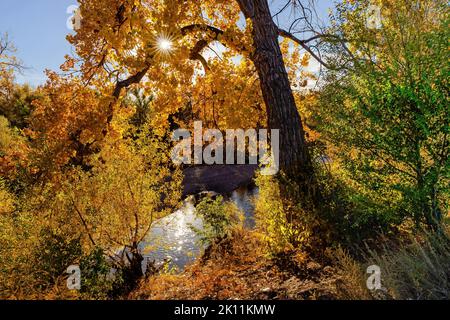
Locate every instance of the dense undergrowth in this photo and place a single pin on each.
(239, 268)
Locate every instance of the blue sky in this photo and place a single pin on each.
(38, 30)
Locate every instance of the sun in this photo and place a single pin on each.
(164, 44)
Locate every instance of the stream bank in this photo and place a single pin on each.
(172, 238)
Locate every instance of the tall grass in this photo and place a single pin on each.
(416, 269)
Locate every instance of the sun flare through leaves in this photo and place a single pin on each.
(164, 44)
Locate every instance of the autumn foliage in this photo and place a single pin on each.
(85, 167)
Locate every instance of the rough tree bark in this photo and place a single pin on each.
(295, 159)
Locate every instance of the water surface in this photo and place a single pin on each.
(172, 237)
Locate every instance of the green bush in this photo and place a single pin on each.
(97, 280)
(219, 219)
(53, 254)
(56, 252)
(385, 117)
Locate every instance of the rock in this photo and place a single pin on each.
(218, 178)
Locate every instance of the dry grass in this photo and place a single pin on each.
(415, 269)
(420, 270)
(223, 275)
(352, 283)
(239, 268)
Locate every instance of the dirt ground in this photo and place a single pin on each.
(238, 269)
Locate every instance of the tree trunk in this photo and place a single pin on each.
(295, 160)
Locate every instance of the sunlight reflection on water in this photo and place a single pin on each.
(172, 238)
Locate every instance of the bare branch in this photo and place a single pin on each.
(7, 60)
(303, 44)
(136, 78)
(195, 53)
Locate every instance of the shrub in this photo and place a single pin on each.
(97, 280)
(415, 269)
(420, 270)
(219, 220)
(6, 199)
(53, 254)
(283, 222)
(385, 116)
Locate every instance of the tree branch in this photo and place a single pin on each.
(303, 44)
(195, 53)
(136, 78)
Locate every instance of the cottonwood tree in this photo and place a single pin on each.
(8, 61)
(159, 46)
(8, 65)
